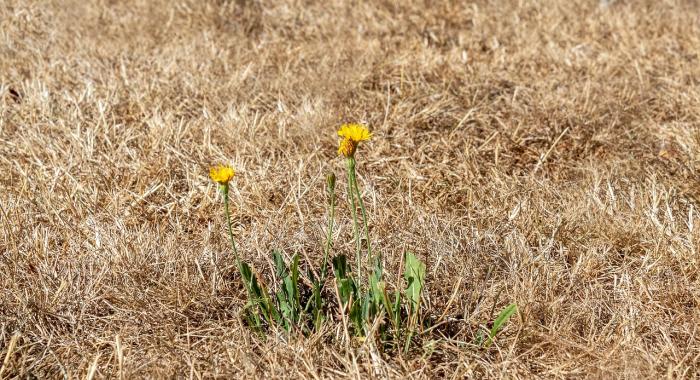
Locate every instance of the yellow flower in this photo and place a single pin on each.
(354, 132)
(352, 135)
(221, 174)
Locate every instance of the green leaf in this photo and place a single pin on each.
(250, 281)
(288, 294)
(358, 314)
(376, 294)
(315, 302)
(501, 321)
(345, 290)
(414, 273)
(340, 267)
(257, 294)
(280, 265)
(292, 284)
(381, 294)
(349, 293)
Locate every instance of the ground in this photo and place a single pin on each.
(545, 153)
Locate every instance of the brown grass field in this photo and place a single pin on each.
(545, 153)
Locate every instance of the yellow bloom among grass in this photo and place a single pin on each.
(352, 135)
(221, 174)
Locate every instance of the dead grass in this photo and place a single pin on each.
(546, 153)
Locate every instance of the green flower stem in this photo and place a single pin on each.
(257, 297)
(224, 189)
(350, 161)
(364, 214)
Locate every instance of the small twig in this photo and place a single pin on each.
(8, 355)
(488, 140)
(438, 322)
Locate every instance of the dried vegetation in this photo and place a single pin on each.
(545, 153)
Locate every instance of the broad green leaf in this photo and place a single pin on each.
(414, 273)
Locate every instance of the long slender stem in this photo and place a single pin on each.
(364, 214)
(356, 230)
(230, 232)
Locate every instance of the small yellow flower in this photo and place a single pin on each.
(221, 174)
(352, 135)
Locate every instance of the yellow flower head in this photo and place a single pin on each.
(221, 174)
(352, 134)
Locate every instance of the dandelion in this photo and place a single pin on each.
(352, 135)
(222, 174)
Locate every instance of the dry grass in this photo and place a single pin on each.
(546, 153)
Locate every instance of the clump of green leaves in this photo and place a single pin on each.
(396, 313)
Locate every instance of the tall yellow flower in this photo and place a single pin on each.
(352, 135)
(221, 174)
